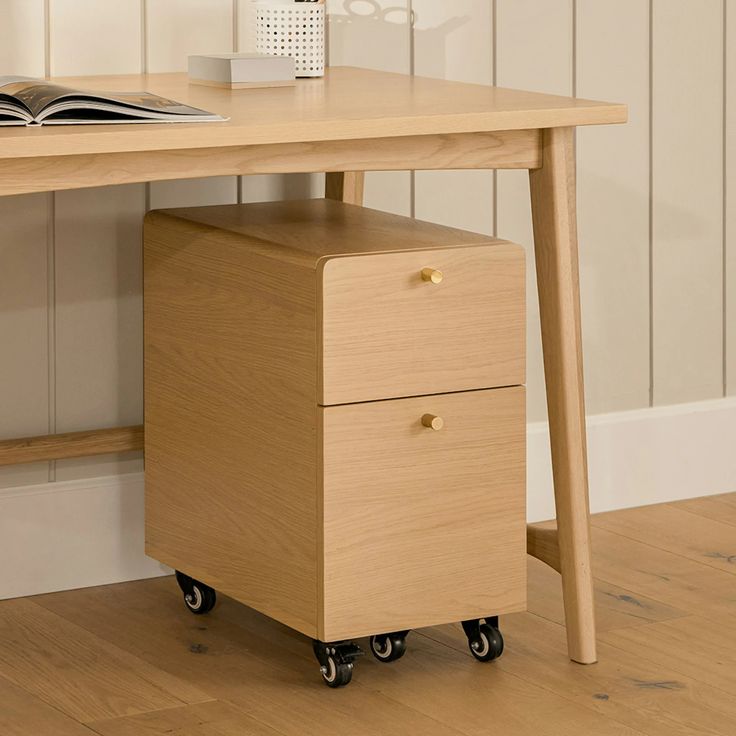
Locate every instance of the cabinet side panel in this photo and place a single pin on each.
(230, 419)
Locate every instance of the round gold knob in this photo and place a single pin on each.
(431, 274)
(433, 422)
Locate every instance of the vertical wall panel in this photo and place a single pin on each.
(613, 204)
(687, 160)
(730, 201)
(90, 37)
(23, 275)
(374, 34)
(454, 41)
(22, 37)
(99, 340)
(24, 384)
(534, 51)
(176, 29)
(97, 251)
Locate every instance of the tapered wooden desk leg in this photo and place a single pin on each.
(345, 186)
(556, 254)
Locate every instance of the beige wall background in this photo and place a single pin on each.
(657, 202)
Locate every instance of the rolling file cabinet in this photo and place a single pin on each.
(335, 421)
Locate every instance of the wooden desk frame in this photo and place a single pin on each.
(548, 155)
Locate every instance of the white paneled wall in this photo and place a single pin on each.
(658, 255)
(687, 199)
(533, 51)
(613, 180)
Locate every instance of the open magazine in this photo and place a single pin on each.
(27, 101)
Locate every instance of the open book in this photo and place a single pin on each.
(26, 101)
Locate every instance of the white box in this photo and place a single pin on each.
(241, 71)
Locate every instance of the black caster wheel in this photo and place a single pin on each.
(336, 662)
(484, 639)
(198, 597)
(389, 647)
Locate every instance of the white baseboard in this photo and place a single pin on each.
(74, 534)
(646, 456)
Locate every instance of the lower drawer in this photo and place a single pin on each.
(422, 525)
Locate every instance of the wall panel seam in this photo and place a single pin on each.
(651, 203)
(50, 267)
(724, 213)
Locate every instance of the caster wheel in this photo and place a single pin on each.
(484, 639)
(336, 661)
(198, 597)
(488, 644)
(336, 674)
(388, 647)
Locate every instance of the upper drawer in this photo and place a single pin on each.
(421, 322)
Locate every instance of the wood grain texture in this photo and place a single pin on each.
(229, 400)
(541, 542)
(347, 104)
(71, 444)
(214, 718)
(626, 687)
(719, 508)
(255, 668)
(387, 333)
(96, 680)
(615, 607)
(502, 149)
(24, 714)
(687, 211)
(233, 473)
(345, 186)
(698, 538)
(555, 250)
(436, 519)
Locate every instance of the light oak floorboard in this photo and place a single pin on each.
(79, 674)
(634, 690)
(615, 607)
(720, 508)
(215, 718)
(134, 661)
(701, 647)
(669, 528)
(21, 714)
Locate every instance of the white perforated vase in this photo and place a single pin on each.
(293, 29)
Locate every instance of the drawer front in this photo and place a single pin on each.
(422, 526)
(421, 322)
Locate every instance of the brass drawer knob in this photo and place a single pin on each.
(433, 422)
(432, 275)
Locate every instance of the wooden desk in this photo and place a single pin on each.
(353, 121)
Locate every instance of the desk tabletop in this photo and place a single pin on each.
(347, 104)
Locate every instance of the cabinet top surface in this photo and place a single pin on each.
(307, 231)
(348, 103)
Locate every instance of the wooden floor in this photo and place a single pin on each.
(129, 660)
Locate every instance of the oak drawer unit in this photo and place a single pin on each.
(335, 420)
